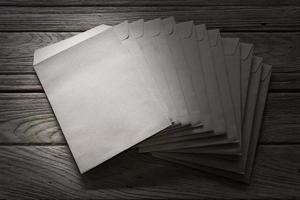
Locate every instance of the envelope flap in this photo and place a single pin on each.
(122, 30)
(185, 29)
(201, 31)
(266, 71)
(257, 62)
(213, 36)
(168, 25)
(246, 50)
(152, 27)
(230, 45)
(136, 28)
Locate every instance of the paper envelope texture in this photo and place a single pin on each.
(177, 90)
(100, 117)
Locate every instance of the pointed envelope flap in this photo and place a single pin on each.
(256, 63)
(168, 25)
(122, 30)
(230, 45)
(152, 27)
(201, 31)
(213, 36)
(246, 50)
(266, 71)
(185, 29)
(136, 29)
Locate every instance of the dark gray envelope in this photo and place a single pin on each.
(231, 48)
(198, 145)
(233, 148)
(245, 174)
(247, 123)
(216, 81)
(246, 63)
(188, 39)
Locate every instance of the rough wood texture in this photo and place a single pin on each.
(283, 18)
(34, 159)
(282, 50)
(28, 118)
(147, 3)
(50, 172)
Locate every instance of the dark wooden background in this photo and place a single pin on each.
(35, 161)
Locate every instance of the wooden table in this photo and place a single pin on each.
(35, 161)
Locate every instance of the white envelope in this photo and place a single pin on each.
(50, 50)
(97, 95)
(129, 33)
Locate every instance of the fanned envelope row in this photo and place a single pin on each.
(200, 96)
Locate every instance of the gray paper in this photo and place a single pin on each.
(239, 166)
(260, 105)
(99, 100)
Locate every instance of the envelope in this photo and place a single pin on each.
(172, 69)
(188, 39)
(171, 35)
(99, 100)
(130, 32)
(135, 29)
(246, 63)
(160, 65)
(234, 148)
(209, 39)
(53, 49)
(231, 48)
(259, 110)
(208, 160)
(215, 43)
(211, 80)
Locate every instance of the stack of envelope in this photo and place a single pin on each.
(200, 96)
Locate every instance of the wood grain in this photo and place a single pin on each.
(281, 82)
(147, 3)
(282, 50)
(28, 118)
(35, 162)
(50, 172)
(229, 18)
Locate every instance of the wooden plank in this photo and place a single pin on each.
(148, 3)
(229, 18)
(285, 82)
(25, 82)
(279, 49)
(50, 172)
(281, 82)
(28, 118)
(281, 120)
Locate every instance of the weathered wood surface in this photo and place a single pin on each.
(35, 161)
(28, 118)
(148, 3)
(50, 172)
(229, 18)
